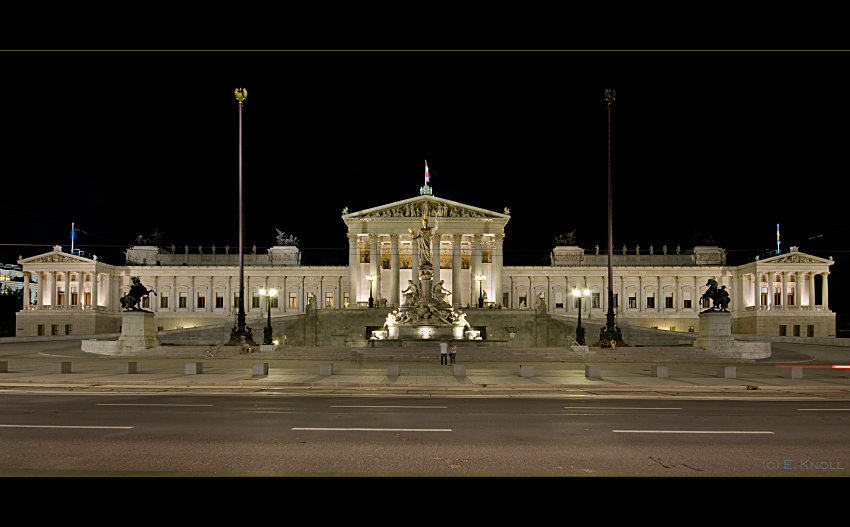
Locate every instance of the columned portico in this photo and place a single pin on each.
(784, 297)
(457, 299)
(476, 267)
(374, 266)
(395, 292)
(825, 291)
(353, 268)
(498, 265)
(67, 289)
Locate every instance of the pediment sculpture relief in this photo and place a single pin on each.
(57, 258)
(795, 258)
(415, 210)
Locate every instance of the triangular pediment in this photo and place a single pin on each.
(795, 257)
(430, 205)
(54, 257)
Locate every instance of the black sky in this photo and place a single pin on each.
(724, 144)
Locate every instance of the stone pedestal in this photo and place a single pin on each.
(138, 331)
(715, 330)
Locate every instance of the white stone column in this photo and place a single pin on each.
(623, 300)
(641, 295)
(770, 279)
(283, 297)
(475, 267)
(514, 300)
(695, 302)
(81, 290)
(175, 299)
(811, 289)
(568, 298)
(457, 264)
(26, 300)
(585, 306)
(497, 268)
(303, 294)
(353, 268)
(603, 296)
(825, 291)
(320, 301)
(153, 299)
(67, 289)
(190, 302)
(338, 293)
(677, 301)
(395, 292)
(210, 295)
(228, 296)
(549, 304)
(659, 296)
(42, 288)
(756, 290)
(530, 299)
(94, 289)
(784, 290)
(374, 265)
(414, 261)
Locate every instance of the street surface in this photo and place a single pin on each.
(166, 434)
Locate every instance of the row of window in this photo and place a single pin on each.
(783, 330)
(256, 301)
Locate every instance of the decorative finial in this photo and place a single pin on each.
(241, 94)
(609, 96)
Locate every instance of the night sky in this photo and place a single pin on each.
(725, 145)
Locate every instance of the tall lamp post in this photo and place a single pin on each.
(241, 331)
(578, 293)
(371, 279)
(480, 278)
(611, 332)
(267, 332)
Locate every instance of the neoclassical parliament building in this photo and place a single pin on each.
(199, 286)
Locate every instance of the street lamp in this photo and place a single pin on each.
(371, 279)
(480, 278)
(267, 332)
(578, 293)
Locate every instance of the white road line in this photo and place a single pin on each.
(689, 432)
(823, 409)
(376, 429)
(150, 404)
(60, 426)
(352, 406)
(614, 408)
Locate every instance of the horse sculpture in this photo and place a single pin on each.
(135, 295)
(719, 297)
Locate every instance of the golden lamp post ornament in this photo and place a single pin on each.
(609, 95)
(242, 94)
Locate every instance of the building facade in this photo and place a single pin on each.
(80, 296)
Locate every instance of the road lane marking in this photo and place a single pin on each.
(823, 409)
(352, 406)
(67, 426)
(375, 429)
(614, 408)
(691, 432)
(150, 404)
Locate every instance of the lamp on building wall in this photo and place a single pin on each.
(579, 293)
(267, 332)
(371, 278)
(480, 278)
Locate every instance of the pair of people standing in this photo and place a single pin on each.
(444, 353)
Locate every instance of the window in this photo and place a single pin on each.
(202, 301)
(791, 299)
(163, 302)
(782, 330)
(255, 300)
(777, 296)
(60, 297)
(633, 300)
(690, 329)
(559, 299)
(364, 256)
(146, 302)
(594, 297)
(274, 301)
(329, 300)
(522, 301)
(764, 296)
(668, 301)
(41, 330)
(650, 301)
(293, 300)
(686, 302)
(672, 328)
(182, 304)
(67, 329)
(810, 331)
(54, 329)
(345, 299)
(160, 328)
(74, 297)
(219, 301)
(235, 300)
(616, 300)
(88, 298)
(796, 330)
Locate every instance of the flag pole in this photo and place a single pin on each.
(241, 331)
(611, 332)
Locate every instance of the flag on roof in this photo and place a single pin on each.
(427, 174)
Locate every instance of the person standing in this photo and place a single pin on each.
(454, 352)
(444, 359)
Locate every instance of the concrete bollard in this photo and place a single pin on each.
(460, 370)
(126, 367)
(526, 371)
(60, 367)
(260, 368)
(792, 373)
(659, 371)
(392, 370)
(193, 368)
(727, 372)
(593, 372)
(4, 366)
(326, 369)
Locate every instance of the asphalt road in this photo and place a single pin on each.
(67, 434)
